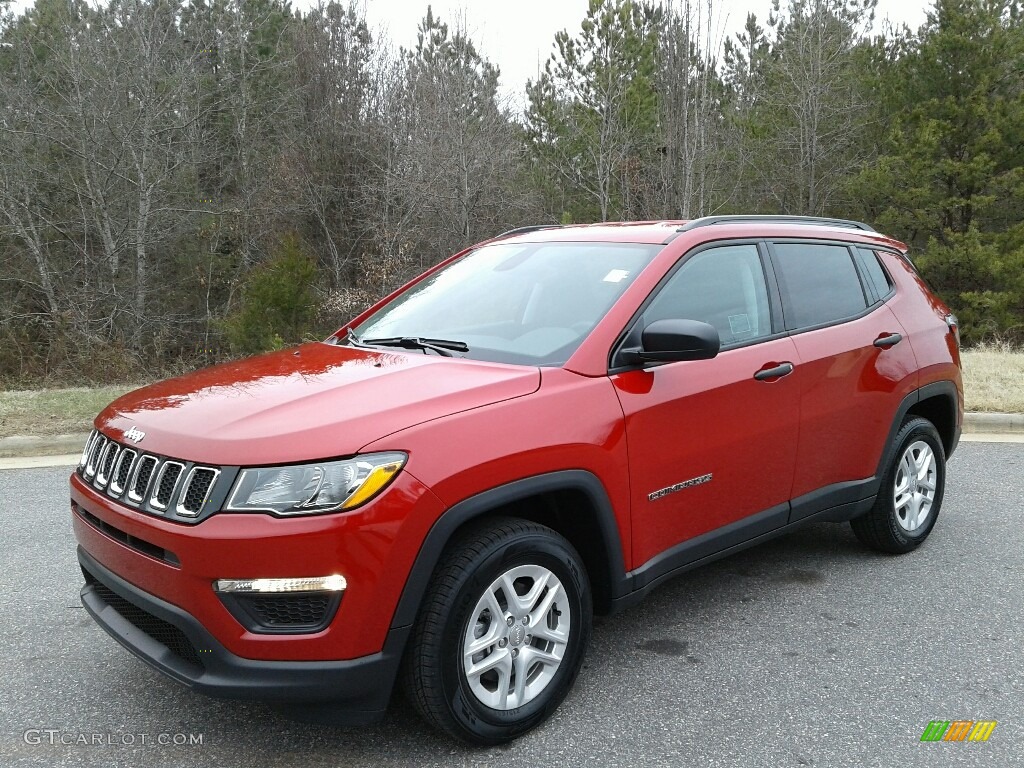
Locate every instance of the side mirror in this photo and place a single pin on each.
(671, 340)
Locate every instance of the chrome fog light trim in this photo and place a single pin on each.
(334, 583)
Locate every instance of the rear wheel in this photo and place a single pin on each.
(911, 492)
(501, 634)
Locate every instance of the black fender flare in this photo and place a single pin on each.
(945, 389)
(476, 506)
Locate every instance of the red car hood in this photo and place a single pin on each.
(312, 402)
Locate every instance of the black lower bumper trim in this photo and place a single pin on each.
(354, 691)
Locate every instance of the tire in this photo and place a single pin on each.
(904, 514)
(467, 592)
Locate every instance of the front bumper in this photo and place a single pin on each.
(373, 547)
(176, 643)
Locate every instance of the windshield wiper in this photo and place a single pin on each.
(441, 346)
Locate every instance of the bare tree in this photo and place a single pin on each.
(328, 160)
(692, 171)
(451, 161)
(103, 123)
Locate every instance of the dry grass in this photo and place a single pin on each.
(54, 411)
(994, 379)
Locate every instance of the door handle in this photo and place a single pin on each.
(775, 372)
(888, 340)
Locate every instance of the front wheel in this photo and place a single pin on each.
(911, 492)
(501, 634)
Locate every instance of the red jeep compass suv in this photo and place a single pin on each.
(545, 425)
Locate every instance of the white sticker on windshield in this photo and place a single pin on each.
(616, 276)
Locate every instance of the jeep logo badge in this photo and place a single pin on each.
(134, 434)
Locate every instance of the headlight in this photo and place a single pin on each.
(306, 489)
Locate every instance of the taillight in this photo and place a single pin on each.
(954, 326)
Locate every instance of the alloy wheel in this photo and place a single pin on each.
(516, 637)
(914, 489)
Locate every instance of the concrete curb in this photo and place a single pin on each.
(20, 446)
(52, 445)
(994, 422)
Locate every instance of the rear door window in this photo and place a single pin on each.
(819, 284)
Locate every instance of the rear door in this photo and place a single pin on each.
(709, 444)
(855, 366)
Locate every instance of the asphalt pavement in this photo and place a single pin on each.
(806, 651)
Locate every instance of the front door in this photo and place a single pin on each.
(711, 442)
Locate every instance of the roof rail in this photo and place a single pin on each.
(524, 230)
(814, 221)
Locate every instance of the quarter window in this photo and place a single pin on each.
(876, 274)
(819, 284)
(723, 286)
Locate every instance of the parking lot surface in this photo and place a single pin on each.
(806, 651)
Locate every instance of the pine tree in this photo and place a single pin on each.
(951, 178)
(593, 113)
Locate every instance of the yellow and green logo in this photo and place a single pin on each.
(958, 730)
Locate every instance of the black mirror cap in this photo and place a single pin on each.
(670, 340)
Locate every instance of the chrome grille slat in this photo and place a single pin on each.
(141, 478)
(87, 449)
(122, 471)
(106, 464)
(166, 483)
(97, 448)
(196, 490)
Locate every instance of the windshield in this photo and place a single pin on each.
(531, 303)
